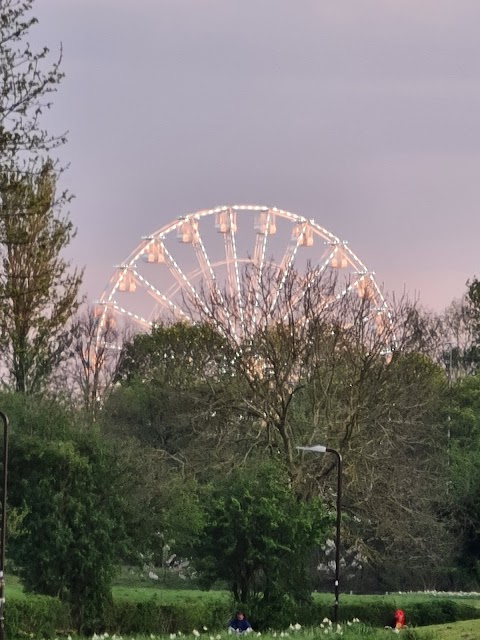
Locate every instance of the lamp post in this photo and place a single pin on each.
(319, 448)
(3, 524)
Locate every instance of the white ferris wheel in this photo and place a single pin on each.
(202, 256)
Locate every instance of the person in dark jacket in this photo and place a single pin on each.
(239, 624)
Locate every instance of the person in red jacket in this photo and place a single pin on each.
(398, 619)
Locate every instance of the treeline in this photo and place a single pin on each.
(125, 446)
(188, 459)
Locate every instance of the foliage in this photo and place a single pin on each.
(160, 511)
(27, 83)
(38, 294)
(188, 393)
(42, 616)
(463, 409)
(170, 612)
(176, 354)
(183, 614)
(176, 395)
(35, 416)
(257, 535)
(72, 532)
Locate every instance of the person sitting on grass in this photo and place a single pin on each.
(398, 621)
(239, 624)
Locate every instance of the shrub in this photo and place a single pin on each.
(41, 615)
(153, 617)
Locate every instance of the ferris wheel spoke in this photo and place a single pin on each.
(231, 259)
(159, 297)
(183, 281)
(114, 306)
(266, 220)
(287, 264)
(217, 298)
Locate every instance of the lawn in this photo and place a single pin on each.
(145, 592)
(168, 596)
(13, 588)
(464, 630)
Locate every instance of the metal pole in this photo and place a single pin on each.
(338, 455)
(3, 524)
(319, 448)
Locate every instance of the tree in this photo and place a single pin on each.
(38, 292)
(176, 392)
(317, 370)
(299, 330)
(459, 349)
(462, 410)
(37, 295)
(86, 377)
(71, 533)
(258, 536)
(27, 82)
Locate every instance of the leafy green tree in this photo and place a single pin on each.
(38, 291)
(177, 393)
(177, 355)
(257, 536)
(380, 412)
(70, 530)
(461, 412)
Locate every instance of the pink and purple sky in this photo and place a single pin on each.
(361, 114)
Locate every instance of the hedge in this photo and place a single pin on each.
(153, 617)
(375, 612)
(41, 615)
(46, 617)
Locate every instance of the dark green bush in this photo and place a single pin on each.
(375, 612)
(41, 615)
(153, 617)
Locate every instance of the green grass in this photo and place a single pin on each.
(168, 596)
(467, 630)
(464, 630)
(13, 588)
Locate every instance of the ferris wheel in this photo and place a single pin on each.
(203, 256)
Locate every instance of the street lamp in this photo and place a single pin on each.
(319, 448)
(3, 524)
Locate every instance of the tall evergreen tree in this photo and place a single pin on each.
(38, 291)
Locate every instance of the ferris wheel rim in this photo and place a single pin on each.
(108, 295)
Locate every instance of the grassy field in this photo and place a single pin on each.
(142, 593)
(465, 630)
(154, 590)
(168, 596)
(13, 588)
(468, 630)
